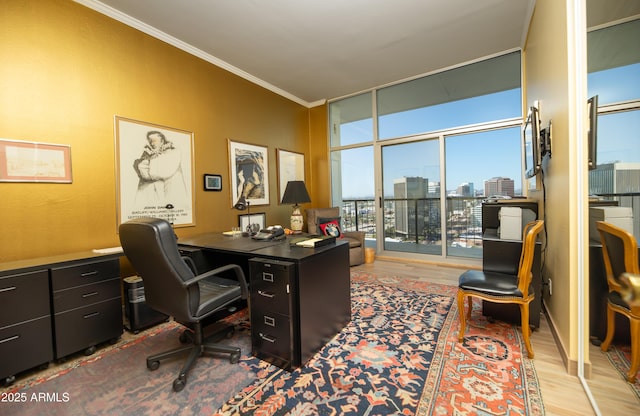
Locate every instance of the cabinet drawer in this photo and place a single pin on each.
(84, 273)
(85, 295)
(271, 334)
(25, 346)
(270, 284)
(81, 328)
(24, 296)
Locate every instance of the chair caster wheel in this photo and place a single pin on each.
(185, 336)
(90, 350)
(179, 383)
(234, 358)
(7, 381)
(153, 365)
(230, 333)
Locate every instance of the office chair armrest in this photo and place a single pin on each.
(218, 270)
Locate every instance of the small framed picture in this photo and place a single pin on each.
(212, 182)
(252, 222)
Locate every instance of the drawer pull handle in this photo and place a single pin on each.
(269, 321)
(8, 289)
(266, 294)
(91, 315)
(88, 295)
(267, 277)
(266, 338)
(13, 338)
(87, 274)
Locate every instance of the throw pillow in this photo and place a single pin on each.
(330, 226)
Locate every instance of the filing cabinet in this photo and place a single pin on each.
(25, 327)
(273, 312)
(86, 305)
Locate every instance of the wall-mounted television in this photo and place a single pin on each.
(531, 143)
(592, 132)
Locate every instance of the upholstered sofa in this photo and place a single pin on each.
(355, 238)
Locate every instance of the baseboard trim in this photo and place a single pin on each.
(571, 366)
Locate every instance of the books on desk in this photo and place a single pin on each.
(314, 241)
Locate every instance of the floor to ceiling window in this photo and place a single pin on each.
(614, 77)
(413, 177)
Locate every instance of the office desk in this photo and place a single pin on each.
(299, 297)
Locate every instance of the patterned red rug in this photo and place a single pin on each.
(620, 357)
(399, 355)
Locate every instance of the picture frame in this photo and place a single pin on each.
(154, 172)
(26, 161)
(258, 219)
(290, 168)
(212, 182)
(248, 173)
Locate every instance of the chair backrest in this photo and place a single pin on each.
(151, 246)
(619, 252)
(529, 236)
(314, 213)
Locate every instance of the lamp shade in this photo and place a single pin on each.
(242, 204)
(295, 193)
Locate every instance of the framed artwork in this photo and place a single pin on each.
(257, 221)
(154, 172)
(290, 168)
(248, 173)
(22, 161)
(212, 182)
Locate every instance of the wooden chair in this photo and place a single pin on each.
(502, 287)
(620, 254)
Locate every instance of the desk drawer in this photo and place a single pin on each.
(84, 274)
(24, 296)
(85, 295)
(25, 346)
(82, 328)
(271, 334)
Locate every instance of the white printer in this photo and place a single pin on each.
(619, 216)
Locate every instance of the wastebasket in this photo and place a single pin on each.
(138, 315)
(369, 255)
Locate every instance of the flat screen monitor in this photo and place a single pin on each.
(531, 143)
(592, 132)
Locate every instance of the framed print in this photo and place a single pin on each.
(212, 182)
(248, 173)
(290, 168)
(257, 221)
(154, 172)
(22, 161)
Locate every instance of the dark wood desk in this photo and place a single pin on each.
(300, 297)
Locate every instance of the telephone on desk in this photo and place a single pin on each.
(275, 232)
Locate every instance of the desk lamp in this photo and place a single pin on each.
(242, 204)
(296, 193)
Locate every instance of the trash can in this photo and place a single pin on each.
(369, 255)
(138, 315)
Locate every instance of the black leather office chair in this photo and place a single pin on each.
(620, 254)
(172, 288)
(503, 288)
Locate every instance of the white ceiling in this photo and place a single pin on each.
(313, 50)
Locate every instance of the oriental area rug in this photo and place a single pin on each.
(620, 357)
(398, 355)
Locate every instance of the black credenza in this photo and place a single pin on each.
(55, 306)
(503, 256)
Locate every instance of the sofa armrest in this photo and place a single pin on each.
(358, 235)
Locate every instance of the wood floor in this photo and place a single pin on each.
(563, 394)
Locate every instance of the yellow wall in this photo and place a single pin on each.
(550, 78)
(67, 70)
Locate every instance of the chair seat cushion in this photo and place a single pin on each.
(616, 299)
(353, 242)
(216, 291)
(490, 283)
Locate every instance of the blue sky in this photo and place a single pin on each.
(480, 156)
